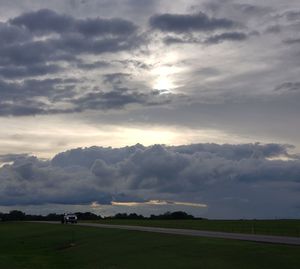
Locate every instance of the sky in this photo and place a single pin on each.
(150, 106)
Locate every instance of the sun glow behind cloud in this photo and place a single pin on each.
(54, 135)
(158, 203)
(164, 70)
(152, 203)
(163, 83)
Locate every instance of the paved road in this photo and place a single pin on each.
(236, 236)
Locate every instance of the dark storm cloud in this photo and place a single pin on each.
(30, 108)
(115, 78)
(139, 173)
(180, 23)
(22, 98)
(76, 44)
(10, 34)
(36, 52)
(31, 88)
(213, 39)
(288, 86)
(12, 71)
(274, 29)
(60, 38)
(94, 65)
(237, 152)
(286, 23)
(292, 41)
(93, 27)
(231, 36)
(187, 29)
(104, 64)
(169, 40)
(63, 48)
(120, 97)
(292, 15)
(46, 21)
(115, 99)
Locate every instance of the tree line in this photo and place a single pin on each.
(15, 215)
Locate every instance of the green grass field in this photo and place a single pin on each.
(266, 227)
(43, 246)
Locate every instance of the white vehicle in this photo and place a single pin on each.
(69, 218)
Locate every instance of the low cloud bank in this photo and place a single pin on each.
(228, 179)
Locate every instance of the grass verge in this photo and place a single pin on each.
(30, 245)
(266, 227)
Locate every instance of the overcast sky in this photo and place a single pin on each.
(108, 73)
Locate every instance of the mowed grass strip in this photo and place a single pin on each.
(31, 245)
(265, 227)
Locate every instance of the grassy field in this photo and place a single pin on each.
(267, 227)
(43, 246)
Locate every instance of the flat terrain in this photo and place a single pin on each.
(211, 234)
(265, 227)
(35, 245)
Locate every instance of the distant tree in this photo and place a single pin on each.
(121, 216)
(173, 215)
(126, 216)
(15, 215)
(135, 216)
(181, 215)
(87, 216)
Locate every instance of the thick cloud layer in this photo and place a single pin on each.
(208, 174)
(34, 44)
(91, 36)
(45, 20)
(42, 45)
(186, 23)
(188, 29)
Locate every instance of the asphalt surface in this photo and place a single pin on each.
(236, 236)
